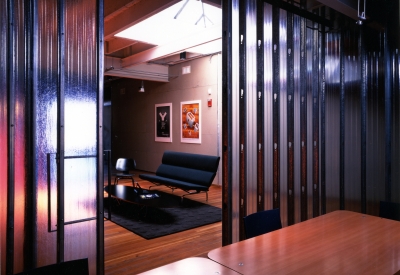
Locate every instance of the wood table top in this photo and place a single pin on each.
(192, 266)
(340, 242)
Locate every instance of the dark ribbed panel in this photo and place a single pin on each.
(303, 121)
(30, 229)
(100, 158)
(260, 106)
(290, 119)
(315, 119)
(363, 175)
(242, 116)
(342, 122)
(275, 108)
(388, 117)
(61, 133)
(323, 124)
(227, 122)
(396, 129)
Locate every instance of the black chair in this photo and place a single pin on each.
(124, 165)
(262, 222)
(389, 210)
(76, 267)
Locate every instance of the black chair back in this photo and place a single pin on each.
(124, 165)
(389, 210)
(262, 222)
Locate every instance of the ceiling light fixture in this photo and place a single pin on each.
(141, 89)
(361, 14)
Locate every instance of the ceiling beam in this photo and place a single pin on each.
(173, 47)
(117, 44)
(113, 8)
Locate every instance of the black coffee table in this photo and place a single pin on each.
(142, 197)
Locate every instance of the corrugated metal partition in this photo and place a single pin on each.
(305, 113)
(3, 132)
(51, 172)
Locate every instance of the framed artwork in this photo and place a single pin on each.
(191, 121)
(163, 117)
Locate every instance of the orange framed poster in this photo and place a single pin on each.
(191, 121)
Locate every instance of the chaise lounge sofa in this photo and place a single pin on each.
(193, 173)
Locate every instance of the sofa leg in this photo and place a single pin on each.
(191, 193)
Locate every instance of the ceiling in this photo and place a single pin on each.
(134, 59)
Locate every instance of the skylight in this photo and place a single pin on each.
(183, 19)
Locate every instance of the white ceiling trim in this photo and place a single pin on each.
(151, 72)
(173, 47)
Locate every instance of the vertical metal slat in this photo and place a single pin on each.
(242, 115)
(323, 117)
(290, 118)
(363, 121)
(303, 121)
(100, 158)
(60, 130)
(315, 120)
(227, 122)
(276, 100)
(10, 141)
(260, 106)
(342, 120)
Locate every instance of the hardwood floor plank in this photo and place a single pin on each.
(128, 253)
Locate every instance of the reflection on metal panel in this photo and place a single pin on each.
(268, 101)
(80, 192)
(296, 101)
(376, 132)
(356, 161)
(396, 129)
(332, 77)
(83, 243)
(235, 120)
(80, 118)
(352, 127)
(309, 105)
(251, 106)
(29, 103)
(18, 132)
(46, 126)
(283, 122)
(3, 133)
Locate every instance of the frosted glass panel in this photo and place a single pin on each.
(80, 192)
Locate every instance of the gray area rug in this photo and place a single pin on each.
(151, 222)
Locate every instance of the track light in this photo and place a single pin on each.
(141, 89)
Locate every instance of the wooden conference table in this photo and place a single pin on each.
(340, 242)
(192, 266)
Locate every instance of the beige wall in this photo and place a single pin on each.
(133, 113)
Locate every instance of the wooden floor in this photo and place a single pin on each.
(128, 253)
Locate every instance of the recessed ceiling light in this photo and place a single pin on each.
(182, 19)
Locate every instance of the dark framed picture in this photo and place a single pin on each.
(163, 117)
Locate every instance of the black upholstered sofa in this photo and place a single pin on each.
(193, 173)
